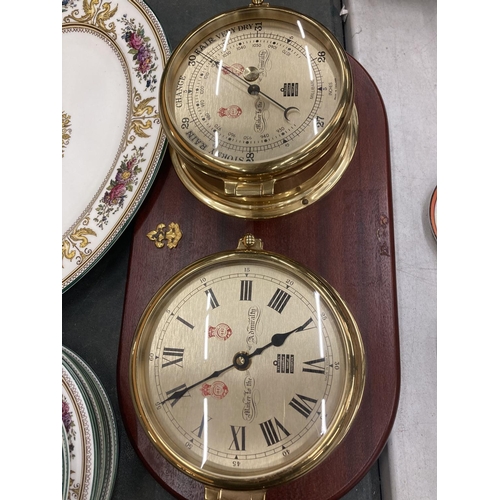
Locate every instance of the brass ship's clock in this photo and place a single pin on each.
(259, 110)
(247, 370)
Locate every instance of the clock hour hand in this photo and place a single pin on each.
(278, 339)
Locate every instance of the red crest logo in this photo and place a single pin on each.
(217, 390)
(235, 68)
(232, 111)
(221, 331)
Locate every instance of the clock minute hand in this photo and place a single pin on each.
(180, 393)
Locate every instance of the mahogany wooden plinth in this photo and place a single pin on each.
(347, 237)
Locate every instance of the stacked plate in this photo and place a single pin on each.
(90, 439)
(433, 212)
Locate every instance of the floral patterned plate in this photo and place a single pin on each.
(65, 463)
(106, 452)
(113, 56)
(78, 426)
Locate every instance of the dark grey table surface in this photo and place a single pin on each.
(92, 308)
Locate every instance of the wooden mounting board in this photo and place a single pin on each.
(347, 237)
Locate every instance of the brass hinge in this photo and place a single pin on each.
(220, 494)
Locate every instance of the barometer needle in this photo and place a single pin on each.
(251, 88)
(277, 340)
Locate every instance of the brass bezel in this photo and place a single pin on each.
(353, 390)
(294, 193)
(261, 195)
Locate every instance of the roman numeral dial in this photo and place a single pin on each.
(244, 366)
(279, 300)
(184, 322)
(238, 434)
(314, 366)
(172, 356)
(212, 299)
(198, 432)
(303, 404)
(246, 290)
(273, 431)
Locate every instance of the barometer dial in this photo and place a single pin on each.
(258, 105)
(255, 92)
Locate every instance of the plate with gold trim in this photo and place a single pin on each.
(113, 55)
(66, 470)
(104, 423)
(81, 438)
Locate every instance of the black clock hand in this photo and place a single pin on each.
(277, 340)
(179, 394)
(251, 88)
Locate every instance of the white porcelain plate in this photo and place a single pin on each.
(113, 56)
(66, 470)
(80, 434)
(106, 452)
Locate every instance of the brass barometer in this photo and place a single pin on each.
(247, 370)
(258, 107)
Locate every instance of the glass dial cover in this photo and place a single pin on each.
(246, 369)
(252, 102)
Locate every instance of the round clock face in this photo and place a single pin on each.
(246, 369)
(255, 88)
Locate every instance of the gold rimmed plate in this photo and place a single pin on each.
(66, 469)
(80, 433)
(113, 55)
